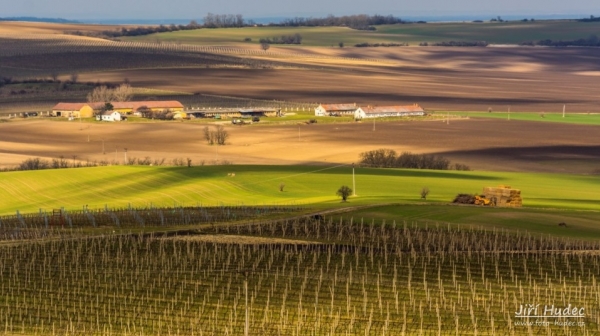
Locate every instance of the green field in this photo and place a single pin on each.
(138, 186)
(500, 33)
(569, 118)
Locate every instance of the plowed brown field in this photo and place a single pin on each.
(483, 144)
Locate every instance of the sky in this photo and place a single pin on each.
(196, 9)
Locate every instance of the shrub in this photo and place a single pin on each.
(464, 199)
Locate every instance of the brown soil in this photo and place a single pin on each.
(526, 79)
(483, 144)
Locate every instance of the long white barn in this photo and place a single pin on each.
(325, 110)
(388, 111)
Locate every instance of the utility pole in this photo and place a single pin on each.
(508, 112)
(125, 149)
(373, 124)
(448, 118)
(353, 181)
(564, 108)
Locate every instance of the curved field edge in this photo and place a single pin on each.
(139, 186)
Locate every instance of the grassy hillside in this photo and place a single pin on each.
(501, 33)
(29, 191)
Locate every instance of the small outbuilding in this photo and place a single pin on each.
(109, 116)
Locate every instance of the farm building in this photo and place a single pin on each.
(388, 111)
(109, 116)
(324, 110)
(73, 110)
(260, 112)
(234, 113)
(86, 110)
(155, 106)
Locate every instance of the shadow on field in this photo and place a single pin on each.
(574, 158)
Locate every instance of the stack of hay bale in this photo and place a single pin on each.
(504, 196)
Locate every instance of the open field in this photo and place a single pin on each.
(438, 78)
(482, 144)
(497, 33)
(123, 186)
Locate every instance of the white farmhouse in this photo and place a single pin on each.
(111, 116)
(388, 111)
(335, 110)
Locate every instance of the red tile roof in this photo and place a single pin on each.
(339, 107)
(150, 104)
(70, 106)
(392, 109)
(134, 105)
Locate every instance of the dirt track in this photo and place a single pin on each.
(480, 143)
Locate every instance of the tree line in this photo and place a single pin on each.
(455, 44)
(388, 158)
(283, 39)
(373, 45)
(361, 21)
(591, 41)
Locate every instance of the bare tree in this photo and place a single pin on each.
(100, 94)
(208, 136)
(221, 135)
(74, 77)
(265, 46)
(54, 76)
(218, 136)
(122, 93)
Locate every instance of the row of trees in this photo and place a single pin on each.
(591, 41)
(361, 21)
(369, 45)
(388, 158)
(223, 20)
(105, 94)
(283, 39)
(147, 112)
(455, 44)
